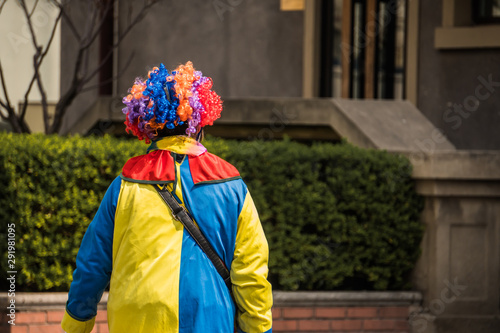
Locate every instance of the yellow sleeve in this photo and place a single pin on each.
(252, 291)
(72, 325)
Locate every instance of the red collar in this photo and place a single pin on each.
(158, 166)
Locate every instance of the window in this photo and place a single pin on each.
(362, 48)
(486, 11)
(469, 24)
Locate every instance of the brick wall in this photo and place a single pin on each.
(312, 312)
(341, 319)
(47, 321)
(286, 319)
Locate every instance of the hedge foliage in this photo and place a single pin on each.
(336, 216)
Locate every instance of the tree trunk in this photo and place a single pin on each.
(18, 125)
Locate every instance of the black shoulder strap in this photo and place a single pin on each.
(180, 214)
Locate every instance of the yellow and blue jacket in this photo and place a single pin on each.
(159, 279)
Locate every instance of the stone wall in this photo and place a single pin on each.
(459, 269)
(458, 88)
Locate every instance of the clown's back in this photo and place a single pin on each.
(161, 280)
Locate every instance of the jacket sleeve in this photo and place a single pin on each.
(93, 266)
(252, 291)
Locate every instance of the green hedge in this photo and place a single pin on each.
(336, 216)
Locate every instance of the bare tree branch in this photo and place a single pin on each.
(2, 4)
(94, 35)
(43, 94)
(18, 125)
(4, 88)
(127, 63)
(136, 20)
(4, 106)
(39, 63)
(98, 14)
(68, 19)
(33, 9)
(25, 104)
(78, 82)
(89, 35)
(96, 70)
(30, 24)
(36, 66)
(89, 24)
(52, 34)
(69, 95)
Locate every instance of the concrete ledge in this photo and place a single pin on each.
(458, 165)
(381, 124)
(57, 301)
(346, 298)
(43, 301)
(459, 188)
(484, 36)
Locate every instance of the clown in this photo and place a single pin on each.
(159, 279)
